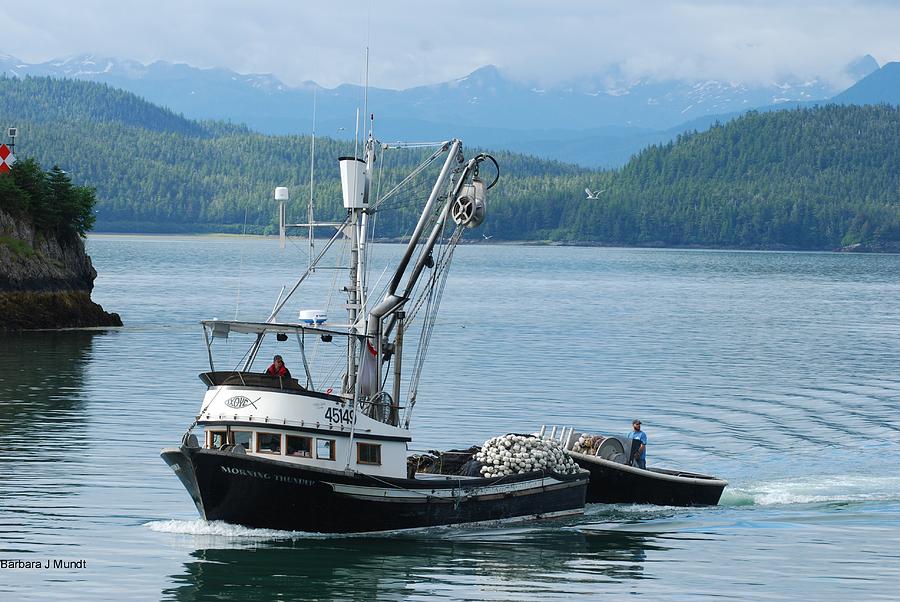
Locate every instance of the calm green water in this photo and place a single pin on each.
(776, 371)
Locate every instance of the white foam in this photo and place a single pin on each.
(818, 489)
(227, 531)
(221, 529)
(623, 508)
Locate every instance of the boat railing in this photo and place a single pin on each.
(250, 379)
(256, 380)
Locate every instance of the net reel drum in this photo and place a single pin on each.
(469, 208)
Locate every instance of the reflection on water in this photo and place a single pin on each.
(42, 434)
(460, 564)
(42, 387)
(42, 378)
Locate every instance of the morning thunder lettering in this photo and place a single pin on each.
(266, 476)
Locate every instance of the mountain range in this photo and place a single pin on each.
(818, 177)
(599, 121)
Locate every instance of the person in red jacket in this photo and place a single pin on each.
(278, 368)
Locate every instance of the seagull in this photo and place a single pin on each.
(486, 237)
(594, 195)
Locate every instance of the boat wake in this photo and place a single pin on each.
(222, 529)
(818, 489)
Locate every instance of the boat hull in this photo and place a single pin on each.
(262, 493)
(614, 483)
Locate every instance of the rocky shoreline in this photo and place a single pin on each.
(45, 281)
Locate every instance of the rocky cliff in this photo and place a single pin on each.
(46, 282)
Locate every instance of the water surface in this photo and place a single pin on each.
(776, 371)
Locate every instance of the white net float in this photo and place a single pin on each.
(518, 454)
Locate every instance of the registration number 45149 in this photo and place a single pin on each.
(339, 416)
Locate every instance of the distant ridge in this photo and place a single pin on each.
(599, 120)
(881, 86)
(37, 99)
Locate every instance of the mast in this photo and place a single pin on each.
(355, 186)
(357, 202)
(364, 220)
(352, 303)
(312, 176)
(359, 220)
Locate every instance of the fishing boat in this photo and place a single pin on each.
(330, 451)
(614, 478)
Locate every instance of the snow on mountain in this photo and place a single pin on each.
(493, 107)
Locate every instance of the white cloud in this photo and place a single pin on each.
(415, 42)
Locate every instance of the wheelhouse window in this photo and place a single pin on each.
(242, 438)
(299, 446)
(325, 449)
(268, 443)
(215, 439)
(368, 453)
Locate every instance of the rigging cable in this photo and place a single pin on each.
(435, 295)
(338, 363)
(409, 177)
(414, 197)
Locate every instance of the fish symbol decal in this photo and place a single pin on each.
(239, 401)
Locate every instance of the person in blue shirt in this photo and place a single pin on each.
(638, 455)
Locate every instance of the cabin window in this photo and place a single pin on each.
(299, 446)
(215, 439)
(368, 453)
(242, 438)
(325, 449)
(268, 443)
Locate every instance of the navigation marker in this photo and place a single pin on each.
(6, 159)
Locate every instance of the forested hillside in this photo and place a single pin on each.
(805, 178)
(155, 171)
(809, 178)
(49, 101)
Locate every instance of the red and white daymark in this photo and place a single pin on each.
(6, 158)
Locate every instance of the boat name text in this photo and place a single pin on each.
(243, 472)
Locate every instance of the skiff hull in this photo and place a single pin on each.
(262, 493)
(614, 483)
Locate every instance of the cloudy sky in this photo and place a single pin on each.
(420, 42)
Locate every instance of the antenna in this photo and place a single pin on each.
(356, 137)
(312, 175)
(366, 93)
